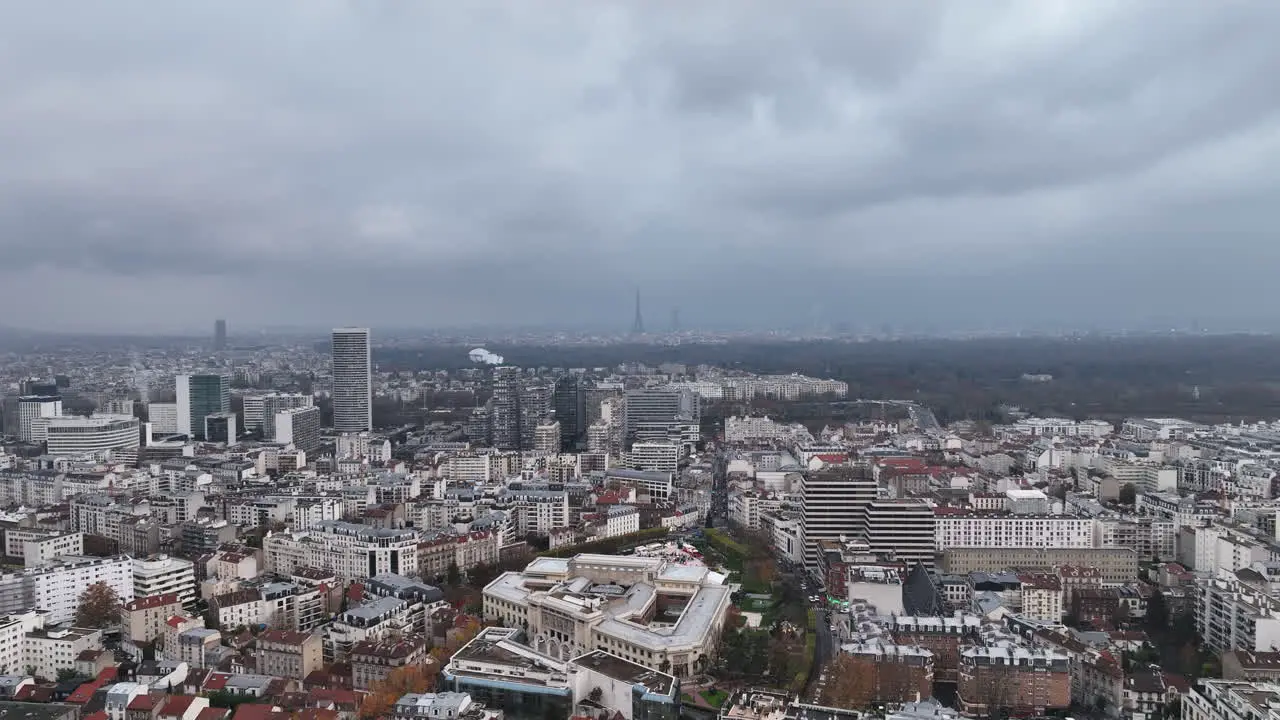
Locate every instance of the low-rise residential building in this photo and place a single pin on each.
(289, 654)
(1014, 680)
(372, 661)
(143, 620)
(49, 650)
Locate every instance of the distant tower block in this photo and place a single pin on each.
(220, 335)
(637, 325)
(675, 319)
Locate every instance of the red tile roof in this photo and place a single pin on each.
(142, 702)
(177, 705)
(84, 693)
(216, 681)
(254, 711)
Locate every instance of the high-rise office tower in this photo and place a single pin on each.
(655, 413)
(505, 414)
(834, 503)
(219, 334)
(536, 405)
(903, 527)
(352, 380)
(200, 396)
(571, 411)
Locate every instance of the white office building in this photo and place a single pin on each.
(101, 435)
(352, 380)
(163, 418)
(904, 528)
(833, 505)
(663, 457)
(30, 409)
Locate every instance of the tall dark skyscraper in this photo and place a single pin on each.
(219, 334)
(637, 325)
(571, 411)
(505, 414)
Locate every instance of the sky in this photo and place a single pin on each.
(975, 165)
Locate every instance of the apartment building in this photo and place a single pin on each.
(165, 575)
(38, 547)
(143, 620)
(1232, 700)
(663, 457)
(1014, 680)
(1042, 597)
(56, 588)
(50, 650)
(892, 673)
(371, 661)
(1148, 537)
(967, 529)
(349, 550)
(1233, 615)
(1115, 564)
(289, 654)
(466, 550)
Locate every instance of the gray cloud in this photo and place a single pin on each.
(328, 162)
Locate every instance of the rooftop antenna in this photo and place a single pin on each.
(637, 325)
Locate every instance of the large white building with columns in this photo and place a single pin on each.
(663, 616)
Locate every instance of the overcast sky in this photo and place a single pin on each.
(395, 162)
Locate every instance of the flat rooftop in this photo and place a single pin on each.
(617, 668)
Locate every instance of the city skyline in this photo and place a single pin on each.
(994, 164)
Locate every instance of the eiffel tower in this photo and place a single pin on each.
(637, 325)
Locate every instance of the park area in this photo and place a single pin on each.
(770, 635)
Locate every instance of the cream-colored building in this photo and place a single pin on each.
(143, 620)
(350, 550)
(663, 616)
(289, 654)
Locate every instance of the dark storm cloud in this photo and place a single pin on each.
(326, 161)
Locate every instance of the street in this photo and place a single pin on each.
(823, 648)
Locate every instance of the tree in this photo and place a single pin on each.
(1121, 615)
(1157, 619)
(848, 685)
(401, 681)
(65, 674)
(454, 576)
(1128, 494)
(99, 607)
